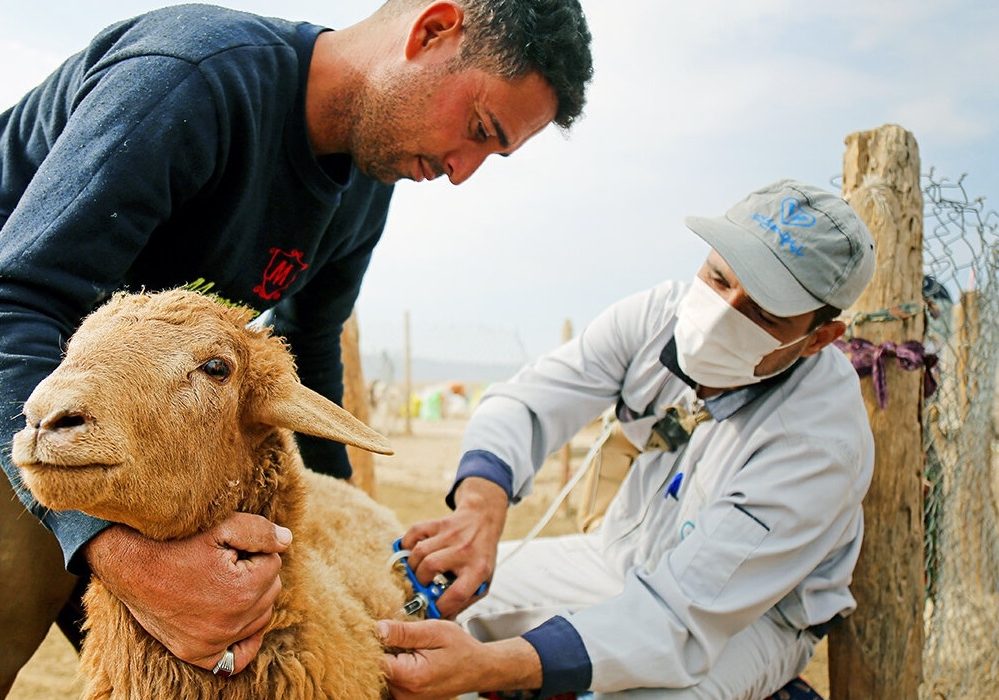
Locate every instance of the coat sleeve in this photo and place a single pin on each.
(793, 502)
(520, 422)
(114, 159)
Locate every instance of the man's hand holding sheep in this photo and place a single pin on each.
(438, 659)
(201, 594)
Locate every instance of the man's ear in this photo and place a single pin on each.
(438, 29)
(823, 336)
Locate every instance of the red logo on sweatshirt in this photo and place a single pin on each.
(281, 272)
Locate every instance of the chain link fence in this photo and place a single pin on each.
(961, 294)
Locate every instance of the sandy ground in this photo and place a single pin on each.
(412, 482)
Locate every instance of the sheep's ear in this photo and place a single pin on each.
(303, 410)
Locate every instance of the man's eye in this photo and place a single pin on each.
(482, 133)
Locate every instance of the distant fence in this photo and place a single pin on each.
(961, 295)
(927, 587)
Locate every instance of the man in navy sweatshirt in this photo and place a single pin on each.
(253, 158)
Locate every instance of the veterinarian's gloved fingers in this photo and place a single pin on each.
(244, 650)
(246, 532)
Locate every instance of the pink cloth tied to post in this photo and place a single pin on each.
(869, 359)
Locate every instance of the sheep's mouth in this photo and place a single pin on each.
(70, 486)
(49, 468)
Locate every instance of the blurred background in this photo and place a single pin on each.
(692, 106)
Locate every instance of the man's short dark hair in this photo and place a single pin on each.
(511, 38)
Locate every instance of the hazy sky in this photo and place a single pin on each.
(694, 104)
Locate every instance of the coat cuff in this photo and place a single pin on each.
(565, 665)
(485, 465)
(73, 530)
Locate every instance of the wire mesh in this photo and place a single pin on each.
(961, 516)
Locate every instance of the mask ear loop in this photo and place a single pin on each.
(794, 342)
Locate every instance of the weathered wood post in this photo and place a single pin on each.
(355, 400)
(877, 652)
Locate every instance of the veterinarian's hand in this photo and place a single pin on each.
(463, 543)
(200, 594)
(438, 659)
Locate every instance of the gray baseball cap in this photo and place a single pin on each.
(794, 247)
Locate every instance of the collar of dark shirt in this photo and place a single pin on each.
(726, 404)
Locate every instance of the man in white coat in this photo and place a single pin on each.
(731, 544)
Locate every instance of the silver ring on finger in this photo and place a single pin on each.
(226, 664)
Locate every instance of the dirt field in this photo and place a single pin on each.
(412, 482)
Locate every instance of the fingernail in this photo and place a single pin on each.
(283, 534)
(383, 630)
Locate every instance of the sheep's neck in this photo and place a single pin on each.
(275, 489)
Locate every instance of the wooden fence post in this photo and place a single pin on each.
(877, 652)
(355, 400)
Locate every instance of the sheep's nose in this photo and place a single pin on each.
(62, 420)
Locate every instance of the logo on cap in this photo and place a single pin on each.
(785, 239)
(791, 214)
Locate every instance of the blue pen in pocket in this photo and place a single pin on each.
(674, 486)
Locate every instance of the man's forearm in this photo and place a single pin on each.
(488, 500)
(480, 493)
(482, 465)
(510, 664)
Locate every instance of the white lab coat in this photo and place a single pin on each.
(768, 517)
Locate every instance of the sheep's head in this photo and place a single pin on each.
(154, 414)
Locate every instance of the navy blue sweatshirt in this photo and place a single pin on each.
(173, 151)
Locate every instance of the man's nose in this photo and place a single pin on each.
(461, 165)
(738, 300)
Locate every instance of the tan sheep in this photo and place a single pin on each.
(168, 414)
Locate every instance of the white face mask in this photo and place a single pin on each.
(716, 345)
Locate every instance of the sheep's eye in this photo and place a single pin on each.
(216, 368)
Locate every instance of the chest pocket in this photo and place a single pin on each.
(713, 551)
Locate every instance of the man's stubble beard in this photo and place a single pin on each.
(384, 119)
